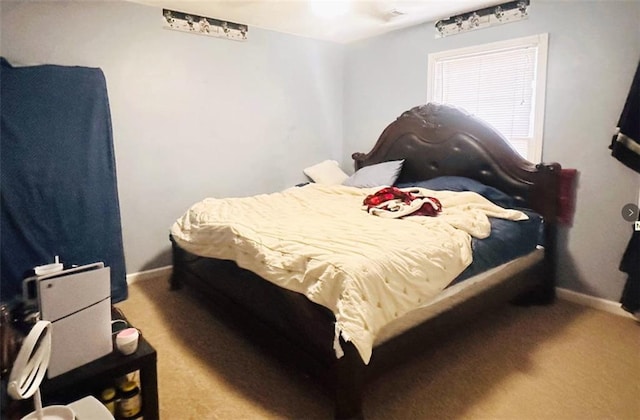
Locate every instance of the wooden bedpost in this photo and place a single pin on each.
(551, 174)
(545, 197)
(349, 375)
(176, 259)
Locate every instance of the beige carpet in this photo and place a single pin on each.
(559, 362)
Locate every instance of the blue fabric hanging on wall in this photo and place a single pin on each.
(58, 194)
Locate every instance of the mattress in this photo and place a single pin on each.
(457, 293)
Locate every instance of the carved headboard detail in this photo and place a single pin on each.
(439, 140)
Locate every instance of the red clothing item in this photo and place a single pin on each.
(396, 201)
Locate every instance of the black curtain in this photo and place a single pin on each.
(58, 193)
(630, 264)
(625, 145)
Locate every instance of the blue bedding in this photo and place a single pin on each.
(508, 239)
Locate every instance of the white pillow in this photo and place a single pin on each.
(326, 172)
(380, 174)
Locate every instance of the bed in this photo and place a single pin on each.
(434, 142)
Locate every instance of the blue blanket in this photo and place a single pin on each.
(508, 241)
(59, 192)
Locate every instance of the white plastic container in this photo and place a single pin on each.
(127, 341)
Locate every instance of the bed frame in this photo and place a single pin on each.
(435, 140)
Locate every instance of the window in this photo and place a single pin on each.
(503, 83)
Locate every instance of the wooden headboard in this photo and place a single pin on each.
(439, 140)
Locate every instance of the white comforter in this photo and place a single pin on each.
(317, 240)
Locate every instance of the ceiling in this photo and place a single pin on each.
(361, 19)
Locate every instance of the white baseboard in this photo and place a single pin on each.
(148, 274)
(593, 302)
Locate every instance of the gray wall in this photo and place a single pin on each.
(193, 116)
(594, 47)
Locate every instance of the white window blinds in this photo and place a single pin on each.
(499, 83)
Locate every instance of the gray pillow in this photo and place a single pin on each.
(381, 174)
